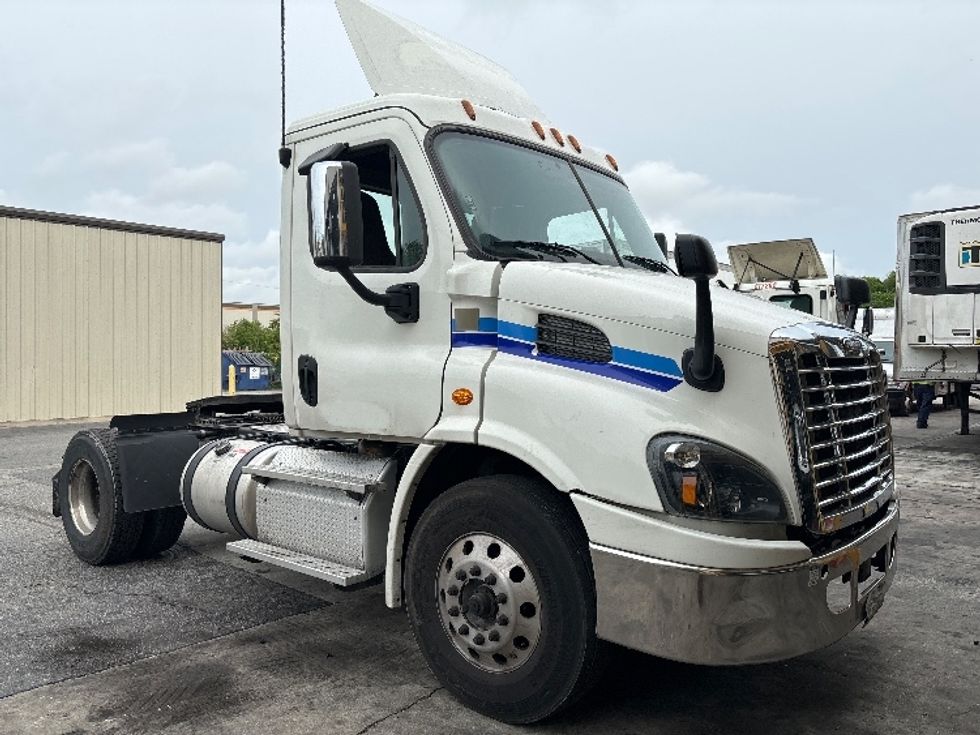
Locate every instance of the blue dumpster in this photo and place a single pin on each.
(253, 370)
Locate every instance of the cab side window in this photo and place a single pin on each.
(394, 236)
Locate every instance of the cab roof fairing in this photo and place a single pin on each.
(412, 68)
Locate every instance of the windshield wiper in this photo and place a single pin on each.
(552, 248)
(650, 264)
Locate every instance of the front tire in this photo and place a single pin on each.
(90, 493)
(500, 593)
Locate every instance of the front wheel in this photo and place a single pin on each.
(502, 599)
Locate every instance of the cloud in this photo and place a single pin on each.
(212, 217)
(142, 155)
(53, 163)
(251, 270)
(665, 192)
(213, 179)
(944, 196)
(143, 181)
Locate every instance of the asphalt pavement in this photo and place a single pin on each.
(200, 641)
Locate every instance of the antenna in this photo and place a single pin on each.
(285, 154)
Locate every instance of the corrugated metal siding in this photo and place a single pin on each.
(97, 322)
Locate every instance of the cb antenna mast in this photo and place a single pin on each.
(285, 154)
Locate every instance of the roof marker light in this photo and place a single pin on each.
(538, 128)
(470, 110)
(556, 134)
(612, 162)
(575, 144)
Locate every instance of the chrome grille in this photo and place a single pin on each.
(833, 393)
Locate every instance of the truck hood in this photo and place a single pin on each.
(777, 260)
(656, 301)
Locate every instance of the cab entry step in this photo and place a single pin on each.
(312, 566)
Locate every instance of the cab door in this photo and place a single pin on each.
(353, 370)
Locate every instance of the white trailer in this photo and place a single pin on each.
(500, 403)
(937, 324)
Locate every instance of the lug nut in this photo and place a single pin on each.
(464, 629)
(491, 579)
(475, 570)
(453, 611)
(503, 620)
(478, 639)
(501, 598)
(460, 575)
(452, 591)
(494, 635)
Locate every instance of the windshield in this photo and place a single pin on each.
(519, 203)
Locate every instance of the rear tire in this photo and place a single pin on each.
(518, 646)
(90, 493)
(161, 529)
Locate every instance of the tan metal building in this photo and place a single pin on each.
(235, 311)
(99, 317)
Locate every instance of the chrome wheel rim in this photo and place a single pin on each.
(488, 602)
(83, 497)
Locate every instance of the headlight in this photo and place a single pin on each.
(700, 479)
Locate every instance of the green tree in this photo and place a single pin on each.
(254, 337)
(882, 290)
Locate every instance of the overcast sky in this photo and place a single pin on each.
(740, 120)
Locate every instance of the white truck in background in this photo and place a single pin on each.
(792, 273)
(937, 324)
(500, 403)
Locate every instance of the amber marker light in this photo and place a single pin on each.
(612, 162)
(538, 128)
(574, 143)
(462, 396)
(470, 110)
(556, 134)
(689, 489)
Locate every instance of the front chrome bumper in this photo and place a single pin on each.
(719, 616)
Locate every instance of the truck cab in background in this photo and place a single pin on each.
(937, 323)
(791, 273)
(501, 403)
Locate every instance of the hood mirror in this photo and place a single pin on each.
(695, 259)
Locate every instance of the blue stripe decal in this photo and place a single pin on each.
(474, 339)
(517, 331)
(646, 361)
(487, 324)
(621, 373)
(628, 366)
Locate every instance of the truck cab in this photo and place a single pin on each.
(500, 402)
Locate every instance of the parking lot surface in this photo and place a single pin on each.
(200, 641)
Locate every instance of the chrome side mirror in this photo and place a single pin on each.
(334, 206)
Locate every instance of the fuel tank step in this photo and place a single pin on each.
(312, 566)
(352, 473)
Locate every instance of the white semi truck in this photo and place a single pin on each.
(500, 403)
(937, 323)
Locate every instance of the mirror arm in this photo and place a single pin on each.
(703, 369)
(400, 302)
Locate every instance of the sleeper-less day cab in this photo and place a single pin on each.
(500, 402)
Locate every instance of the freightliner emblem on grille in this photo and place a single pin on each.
(799, 429)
